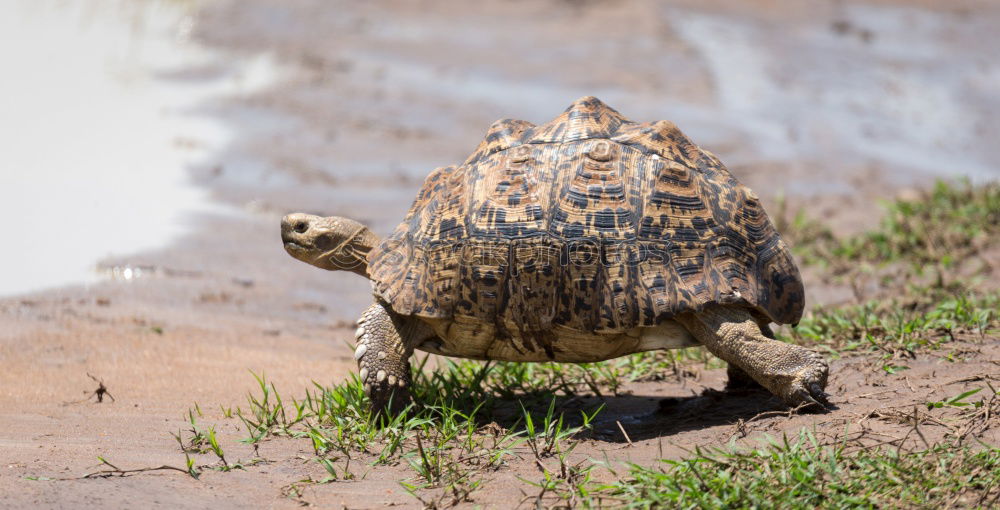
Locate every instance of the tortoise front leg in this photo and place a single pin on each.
(383, 355)
(794, 373)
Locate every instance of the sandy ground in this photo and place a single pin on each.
(374, 96)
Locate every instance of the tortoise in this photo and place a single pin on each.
(580, 240)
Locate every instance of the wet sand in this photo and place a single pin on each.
(832, 105)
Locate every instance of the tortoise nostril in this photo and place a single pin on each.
(301, 227)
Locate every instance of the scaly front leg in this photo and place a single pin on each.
(383, 355)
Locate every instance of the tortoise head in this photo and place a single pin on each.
(332, 243)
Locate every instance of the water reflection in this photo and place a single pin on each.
(99, 126)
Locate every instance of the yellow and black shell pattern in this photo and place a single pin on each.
(592, 222)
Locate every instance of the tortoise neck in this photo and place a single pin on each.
(350, 254)
(364, 242)
(353, 256)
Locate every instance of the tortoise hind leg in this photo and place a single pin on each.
(794, 373)
(738, 380)
(383, 354)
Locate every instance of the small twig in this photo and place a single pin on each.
(916, 428)
(623, 432)
(541, 467)
(108, 473)
(100, 391)
(117, 471)
(788, 413)
(971, 378)
(740, 427)
(872, 394)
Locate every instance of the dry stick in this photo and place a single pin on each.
(787, 412)
(916, 428)
(423, 455)
(740, 426)
(987, 493)
(993, 502)
(978, 422)
(862, 434)
(954, 500)
(538, 498)
(541, 467)
(898, 440)
(906, 418)
(859, 435)
(623, 432)
(989, 408)
(835, 440)
(108, 473)
(871, 394)
(935, 421)
(971, 378)
(115, 470)
(911, 404)
(100, 391)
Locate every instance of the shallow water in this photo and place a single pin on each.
(98, 134)
(910, 90)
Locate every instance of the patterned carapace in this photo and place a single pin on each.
(592, 222)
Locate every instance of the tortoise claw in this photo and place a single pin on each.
(820, 395)
(809, 397)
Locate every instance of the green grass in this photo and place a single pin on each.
(894, 330)
(937, 229)
(805, 474)
(942, 225)
(449, 441)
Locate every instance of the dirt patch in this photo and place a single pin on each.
(56, 434)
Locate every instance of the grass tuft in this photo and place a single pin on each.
(803, 473)
(896, 331)
(939, 227)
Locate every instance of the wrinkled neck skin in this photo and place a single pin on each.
(355, 253)
(351, 253)
(332, 243)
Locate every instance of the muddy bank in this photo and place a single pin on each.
(833, 105)
(815, 99)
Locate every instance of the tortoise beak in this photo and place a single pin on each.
(295, 233)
